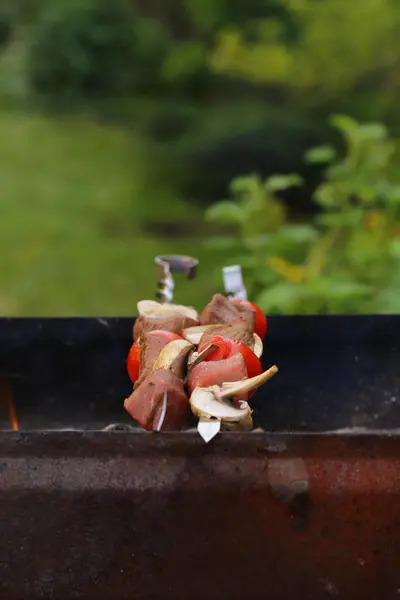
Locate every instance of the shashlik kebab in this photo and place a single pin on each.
(209, 364)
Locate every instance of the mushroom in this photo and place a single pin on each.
(173, 357)
(211, 404)
(230, 389)
(151, 308)
(258, 346)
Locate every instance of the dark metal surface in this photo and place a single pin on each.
(335, 372)
(163, 517)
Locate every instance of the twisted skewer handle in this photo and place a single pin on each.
(167, 265)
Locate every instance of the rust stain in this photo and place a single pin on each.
(287, 477)
(289, 482)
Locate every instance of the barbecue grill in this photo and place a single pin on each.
(306, 505)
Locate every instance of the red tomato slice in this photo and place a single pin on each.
(227, 348)
(133, 361)
(253, 364)
(223, 350)
(261, 319)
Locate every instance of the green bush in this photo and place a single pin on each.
(348, 258)
(244, 141)
(209, 15)
(341, 56)
(7, 24)
(96, 48)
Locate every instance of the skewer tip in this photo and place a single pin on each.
(208, 429)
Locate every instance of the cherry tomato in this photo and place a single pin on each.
(133, 361)
(227, 348)
(253, 364)
(222, 351)
(261, 319)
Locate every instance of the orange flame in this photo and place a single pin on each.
(6, 397)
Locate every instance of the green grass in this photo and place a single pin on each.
(74, 198)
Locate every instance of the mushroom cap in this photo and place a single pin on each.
(151, 308)
(205, 404)
(174, 357)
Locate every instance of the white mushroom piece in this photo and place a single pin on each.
(174, 356)
(214, 409)
(151, 308)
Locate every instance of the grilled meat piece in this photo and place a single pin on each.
(160, 403)
(174, 323)
(223, 310)
(217, 372)
(150, 348)
(239, 330)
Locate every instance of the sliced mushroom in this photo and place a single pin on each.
(211, 404)
(193, 335)
(230, 389)
(151, 308)
(205, 404)
(258, 346)
(173, 357)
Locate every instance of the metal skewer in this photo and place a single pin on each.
(234, 288)
(233, 282)
(208, 428)
(169, 264)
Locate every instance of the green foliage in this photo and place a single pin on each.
(185, 69)
(72, 228)
(342, 54)
(201, 91)
(5, 30)
(259, 138)
(86, 49)
(348, 258)
(254, 207)
(209, 15)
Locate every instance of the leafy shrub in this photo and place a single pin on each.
(209, 15)
(7, 21)
(276, 143)
(186, 71)
(348, 258)
(94, 48)
(351, 66)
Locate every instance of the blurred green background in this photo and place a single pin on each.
(124, 124)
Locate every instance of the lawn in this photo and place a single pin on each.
(75, 196)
